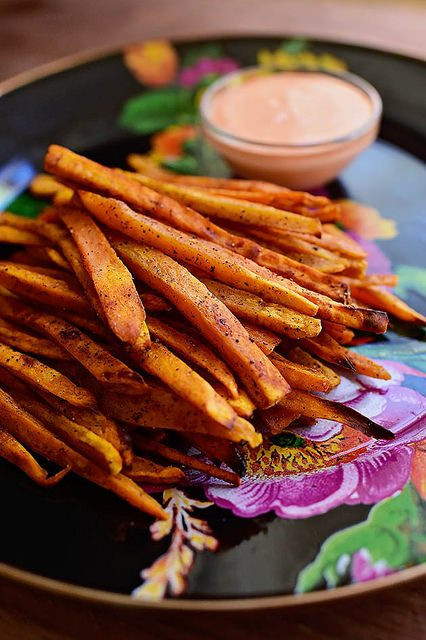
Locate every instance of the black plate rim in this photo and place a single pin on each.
(87, 56)
(99, 596)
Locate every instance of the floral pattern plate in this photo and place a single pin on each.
(320, 508)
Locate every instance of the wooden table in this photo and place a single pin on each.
(33, 32)
(397, 613)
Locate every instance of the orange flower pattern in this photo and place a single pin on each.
(169, 571)
(153, 63)
(366, 221)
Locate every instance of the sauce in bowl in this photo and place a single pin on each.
(298, 128)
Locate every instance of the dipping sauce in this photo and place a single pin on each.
(297, 128)
(291, 108)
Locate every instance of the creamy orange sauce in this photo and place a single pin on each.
(290, 108)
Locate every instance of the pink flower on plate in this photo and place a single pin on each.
(362, 568)
(309, 471)
(191, 76)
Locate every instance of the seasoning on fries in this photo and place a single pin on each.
(253, 296)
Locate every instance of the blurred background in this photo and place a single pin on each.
(34, 32)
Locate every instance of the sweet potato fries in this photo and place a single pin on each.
(133, 327)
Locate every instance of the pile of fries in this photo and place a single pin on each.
(147, 313)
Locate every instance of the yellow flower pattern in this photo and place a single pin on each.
(276, 460)
(282, 60)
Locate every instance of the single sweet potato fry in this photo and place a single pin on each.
(11, 235)
(216, 449)
(315, 407)
(45, 186)
(58, 274)
(387, 301)
(276, 195)
(299, 202)
(378, 279)
(149, 472)
(87, 322)
(266, 340)
(153, 302)
(162, 450)
(57, 258)
(218, 325)
(272, 316)
(327, 348)
(112, 280)
(365, 366)
(23, 223)
(230, 208)
(251, 196)
(296, 354)
(300, 376)
(349, 315)
(276, 419)
(241, 403)
(187, 383)
(145, 165)
(60, 236)
(93, 356)
(35, 256)
(324, 212)
(41, 288)
(327, 266)
(289, 241)
(29, 343)
(340, 244)
(192, 349)
(341, 334)
(45, 378)
(15, 453)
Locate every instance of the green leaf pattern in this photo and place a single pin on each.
(152, 111)
(394, 532)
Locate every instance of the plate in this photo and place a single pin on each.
(324, 519)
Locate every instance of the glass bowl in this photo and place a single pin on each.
(298, 166)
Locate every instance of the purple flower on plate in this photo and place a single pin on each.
(378, 262)
(309, 471)
(191, 76)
